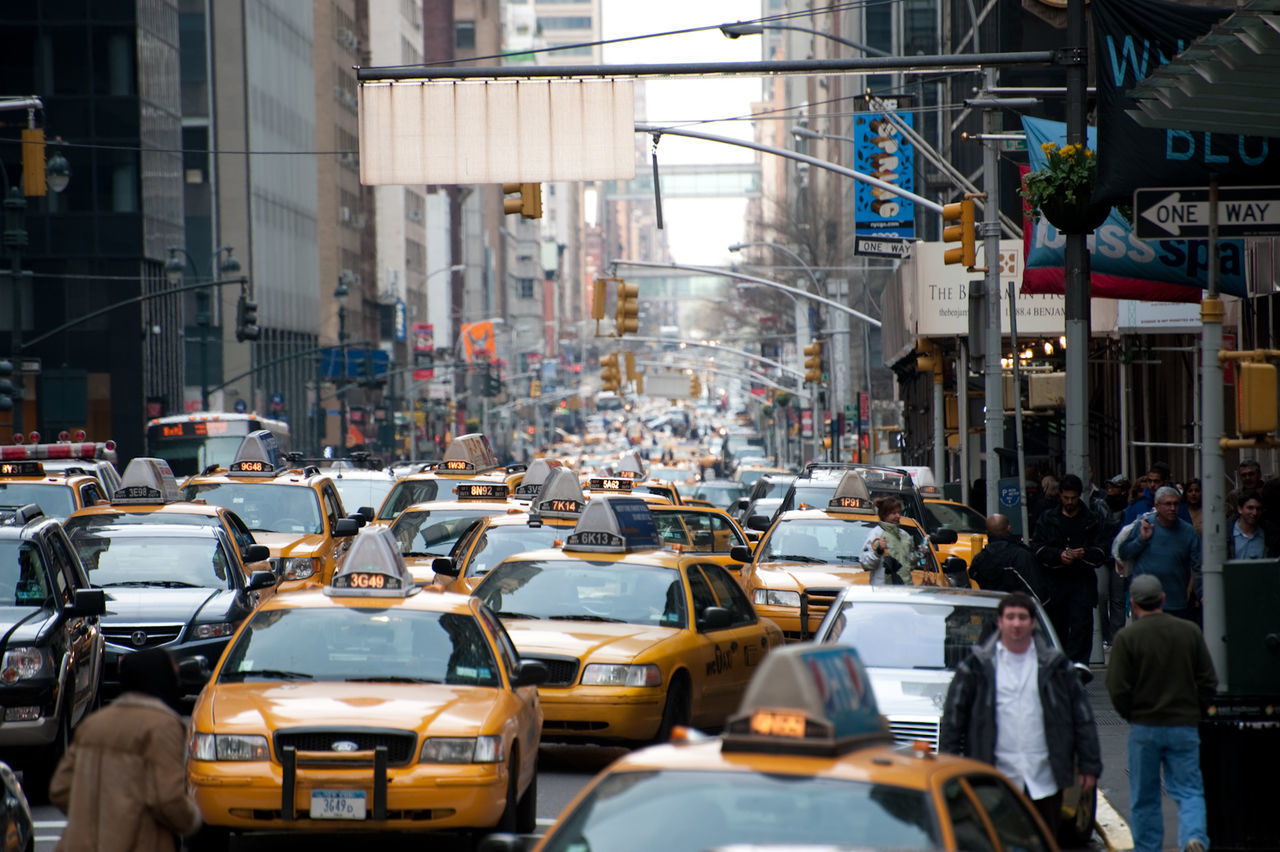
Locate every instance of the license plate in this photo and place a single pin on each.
(337, 804)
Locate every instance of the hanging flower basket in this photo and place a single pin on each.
(1060, 190)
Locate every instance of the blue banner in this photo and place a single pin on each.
(881, 151)
(331, 363)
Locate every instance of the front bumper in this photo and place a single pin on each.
(36, 732)
(210, 649)
(273, 796)
(601, 713)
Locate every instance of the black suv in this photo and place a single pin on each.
(52, 645)
(815, 485)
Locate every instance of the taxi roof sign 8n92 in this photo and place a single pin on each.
(1182, 213)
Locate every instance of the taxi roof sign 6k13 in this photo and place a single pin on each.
(614, 525)
(258, 453)
(373, 568)
(810, 699)
(147, 480)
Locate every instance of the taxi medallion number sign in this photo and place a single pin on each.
(454, 464)
(592, 538)
(769, 724)
(367, 580)
(558, 505)
(337, 804)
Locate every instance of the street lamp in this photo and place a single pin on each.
(174, 268)
(340, 294)
(741, 28)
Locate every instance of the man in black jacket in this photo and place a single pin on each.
(1036, 727)
(1006, 564)
(1068, 543)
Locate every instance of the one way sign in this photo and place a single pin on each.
(1182, 213)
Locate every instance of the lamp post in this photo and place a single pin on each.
(340, 294)
(741, 28)
(174, 269)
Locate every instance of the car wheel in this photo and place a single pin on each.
(527, 810)
(676, 709)
(508, 821)
(210, 838)
(1076, 826)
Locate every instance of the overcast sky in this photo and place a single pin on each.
(698, 230)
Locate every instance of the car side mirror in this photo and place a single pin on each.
(944, 535)
(87, 602)
(444, 566)
(501, 842)
(1083, 672)
(530, 673)
(715, 618)
(257, 553)
(358, 518)
(345, 527)
(194, 668)
(366, 512)
(758, 522)
(261, 580)
(740, 553)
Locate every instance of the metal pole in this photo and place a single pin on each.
(962, 416)
(1126, 452)
(1076, 262)
(341, 390)
(15, 239)
(1213, 537)
(1017, 402)
(939, 426)
(991, 293)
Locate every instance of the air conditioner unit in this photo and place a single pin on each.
(344, 214)
(415, 215)
(1047, 390)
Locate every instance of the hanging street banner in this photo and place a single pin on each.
(1133, 38)
(1243, 211)
(424, 351)
(880, 150)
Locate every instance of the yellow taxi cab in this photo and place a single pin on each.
(295, 512)
(809, 555)
(57, 493)
(149, 494)
(970, 526)
(705, 530)
(468, 460)
(637, 638)
(806, 762)
(370, 705)
(428, 531)
(551, 517)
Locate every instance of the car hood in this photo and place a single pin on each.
(804, 575)
(290, 544)
(609, 642)
(137, 604)
(26, 622)
(259, 707)
(910, 692)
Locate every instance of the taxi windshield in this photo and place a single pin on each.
(168, 561)
(366, 643)
(898, 635)
(263, 506)
(23, 578)
(497, 543)
(955, 516)
(700, 532)
(126, 518)
(53, 498)
(813, 495)
(689, 811)
(821, 540)
(578, 590)
(720, 493)
(433, 532)
(358, 491)
(409, 491)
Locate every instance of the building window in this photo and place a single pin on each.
(526, 288)
(464, 35)
(566, 23)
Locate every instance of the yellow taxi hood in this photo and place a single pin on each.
(617, 643)
(802, 575)
(291, 544)
(256, 707)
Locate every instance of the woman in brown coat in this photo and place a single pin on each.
(123, 782)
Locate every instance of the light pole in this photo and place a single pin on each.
(741, 28)
(174, 269)
(340, 295)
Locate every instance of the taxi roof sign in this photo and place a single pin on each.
(21, 468)
(631, 466)
(147, 480)
(619, 484)
(373, 568)
(614, 525)
(811, 699)
(851, 494)
(469, 453)
(537, 473)
(258, 453)
(481, 491)
(560, 496)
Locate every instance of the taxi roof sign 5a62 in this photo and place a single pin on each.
(614, 525)
(147, 480)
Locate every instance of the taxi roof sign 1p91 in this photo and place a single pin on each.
(614, 525)
(147, 480)
(851, 494)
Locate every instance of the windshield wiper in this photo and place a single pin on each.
(797, 558)
(274, 674)
(392, 679)
(168, 584)
(506, 613)
(586, 617)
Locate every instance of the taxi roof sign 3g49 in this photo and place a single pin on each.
(373, 568)
(147, 480)
(614, 525)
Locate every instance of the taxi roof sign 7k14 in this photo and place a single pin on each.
(147, 480)
(614, 525)
(560, 496)
(373, 568)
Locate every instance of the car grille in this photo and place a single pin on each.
(141, 635)
(561, 671)
(909, 731)
(400, 744)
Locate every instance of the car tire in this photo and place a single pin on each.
(44, 761)
(509, 819)
(1074, 832)
(527, 809)
(210, 838)
(675, 711)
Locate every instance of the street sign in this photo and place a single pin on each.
(881, 246)
(241, 406)
(1182, 213)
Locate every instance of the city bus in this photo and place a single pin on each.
(192, 442)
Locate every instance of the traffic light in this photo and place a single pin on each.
(628, 314)
(1256, 404)
(368, 375)
(6, 385)
(535, 388)
(597, 298)
(528, 205)
(493, 381)
(33, 165)
(247, 319)
(928, 358)
(630, 361)
(610, 377)
(962, 214)
(695, 387)
(813, 362)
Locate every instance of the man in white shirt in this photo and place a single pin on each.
(1017, 703)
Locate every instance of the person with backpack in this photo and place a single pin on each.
(1006, 564)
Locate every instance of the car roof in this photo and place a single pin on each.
(915, 594)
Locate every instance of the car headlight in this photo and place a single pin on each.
(23, 663)
(486, 749)
(298, 567)
(213, 630)
(228, 747)
(775, 597)
(609, 674)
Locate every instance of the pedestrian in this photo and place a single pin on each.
(1248, 479)
(1068, 543)
(1157, 477)
(890, 553)
(1047, 500)
(1006, 564)
(1113, 586)
(1016, 702)
(1161, 680)
(1193, 499)
(1247, 538)
(1168, 548)
(123, 781)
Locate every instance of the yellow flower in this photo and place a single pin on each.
(1069, 150)
(1088, 153)
(1047, 147)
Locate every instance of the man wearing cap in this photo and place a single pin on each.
(1161, 680)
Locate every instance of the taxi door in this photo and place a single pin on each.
(529, 723)
(84, 637)
(725, 657)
